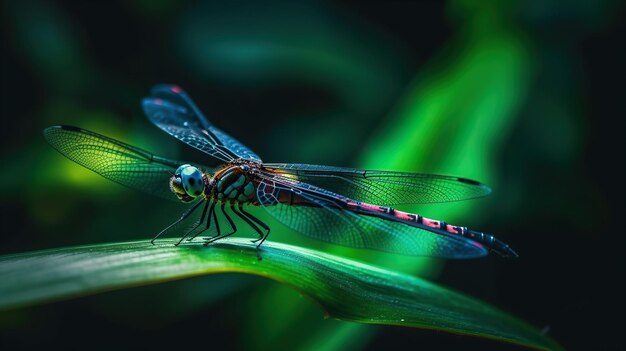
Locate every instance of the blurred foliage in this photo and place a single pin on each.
(515, 94)
(346, 290)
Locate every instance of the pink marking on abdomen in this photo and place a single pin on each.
(405, 216)
(430, 222)
(409, 217)
(370, 207)
(455, 229)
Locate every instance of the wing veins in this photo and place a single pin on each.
(122, 163)
(383, 187)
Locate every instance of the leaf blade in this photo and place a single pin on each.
(345, 289)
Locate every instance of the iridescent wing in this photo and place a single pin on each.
(327, 221)
(115, 160)
(172, 110)
(383, 187)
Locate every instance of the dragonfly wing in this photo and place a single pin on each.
(383, 187)
(114, 160)
(326, 221)
(189, 116)
(235, 146)
(173, 119)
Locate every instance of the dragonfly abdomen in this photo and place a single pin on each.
(433, 225)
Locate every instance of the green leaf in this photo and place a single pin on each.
(345, 289)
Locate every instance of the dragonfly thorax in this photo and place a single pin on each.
(188, 182)
(234, 183)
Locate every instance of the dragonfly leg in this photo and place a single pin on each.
(195, 226)
(182, 217)
(217, 223)
(247, 220)
(259, 222)
(232, 225)
(208, 223)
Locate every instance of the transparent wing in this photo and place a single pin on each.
(322, 217)
(114, 160)
(172, 110)
(173, 120)
(383, 187)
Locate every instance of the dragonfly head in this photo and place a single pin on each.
(187, 183)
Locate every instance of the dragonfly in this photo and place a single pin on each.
(342, 206)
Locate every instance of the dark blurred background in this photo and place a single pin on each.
(526, 96)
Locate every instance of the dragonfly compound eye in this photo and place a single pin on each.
(192, 181)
